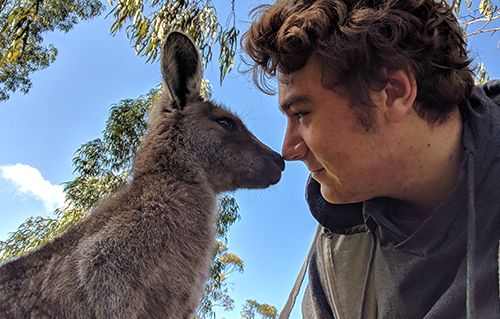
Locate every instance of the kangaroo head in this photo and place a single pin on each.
(214, 140)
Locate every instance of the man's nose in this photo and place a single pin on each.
(294, 148)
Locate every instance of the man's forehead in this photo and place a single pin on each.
(284, 86)
(284, 78)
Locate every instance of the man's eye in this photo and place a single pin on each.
(300, 115)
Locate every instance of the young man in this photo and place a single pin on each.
(404, 154)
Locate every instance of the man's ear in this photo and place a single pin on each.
(397, 97)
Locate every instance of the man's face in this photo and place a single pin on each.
(324, 132)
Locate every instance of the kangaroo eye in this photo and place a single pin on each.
(227, 123)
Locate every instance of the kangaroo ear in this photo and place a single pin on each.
(181, 68)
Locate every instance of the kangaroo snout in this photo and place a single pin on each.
(279, 163)
(262, 171)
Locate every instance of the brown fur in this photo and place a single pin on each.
(145, 252)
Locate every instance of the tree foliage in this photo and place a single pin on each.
(23, 24)
(147, 27)
(478, 17)
(216, 292)
(252, 308)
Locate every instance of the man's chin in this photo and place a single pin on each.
(335, 196)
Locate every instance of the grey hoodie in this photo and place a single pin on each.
(363, 266)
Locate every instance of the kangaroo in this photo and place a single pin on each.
(145, 251)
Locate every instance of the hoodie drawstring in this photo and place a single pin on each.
(287, 309)
(369, 271)
(471, 240)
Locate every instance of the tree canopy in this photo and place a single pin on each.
(478, 17)
(252, 308)
(24, 23)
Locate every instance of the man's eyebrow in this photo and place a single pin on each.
(296, 99)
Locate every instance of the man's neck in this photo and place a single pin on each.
(434, 179)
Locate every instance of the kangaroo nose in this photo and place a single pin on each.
(279, 161)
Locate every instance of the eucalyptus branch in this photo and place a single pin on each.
(474, 20)
(483, 31)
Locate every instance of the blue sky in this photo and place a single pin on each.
(69, 104)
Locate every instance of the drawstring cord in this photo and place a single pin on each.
(287, 309)
(369, 272)
(471, 240)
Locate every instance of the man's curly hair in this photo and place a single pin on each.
(356, 39)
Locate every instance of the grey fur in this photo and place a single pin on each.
(145, 252)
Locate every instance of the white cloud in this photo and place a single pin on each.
(28, 180)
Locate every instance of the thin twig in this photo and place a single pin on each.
(483, 31)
